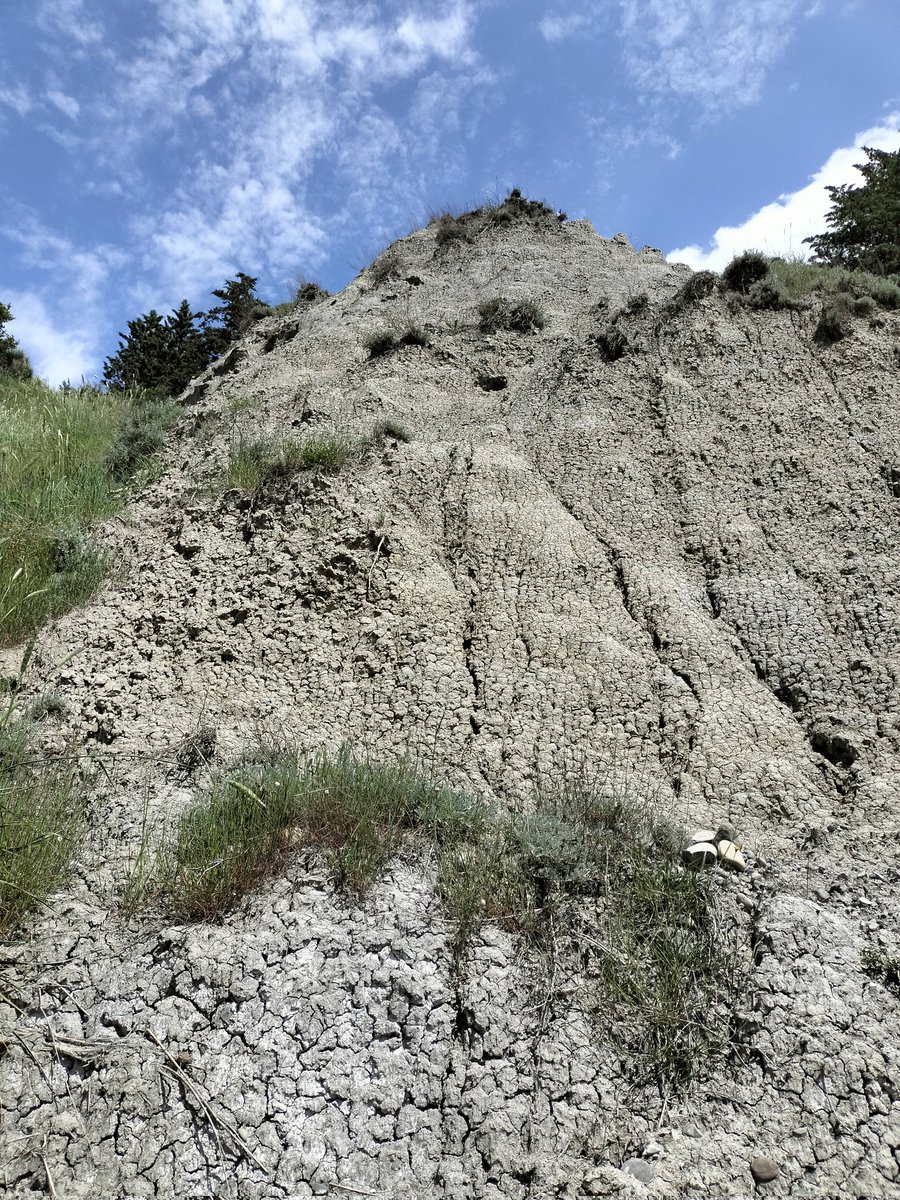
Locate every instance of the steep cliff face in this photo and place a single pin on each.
(656, 539)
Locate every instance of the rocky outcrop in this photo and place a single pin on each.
(656, 540)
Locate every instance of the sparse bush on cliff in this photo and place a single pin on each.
(521, 316)
(700, 285)
(387, 266)
(385, 341)
(834, 321)
(387, 427)
(454, 228)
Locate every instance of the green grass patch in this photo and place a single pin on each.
(254, 464)
(64, 455)
(41, 821)
(591, 878)
(802, 279)
(278, 801)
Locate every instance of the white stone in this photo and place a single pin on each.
(701, 854)
(731, 856)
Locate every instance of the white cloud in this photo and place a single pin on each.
(249, 99)
(557, 26)
(712, 51)
(67, 105)
(17, 98)
(780, 227)
(56, 353)
(69, 18)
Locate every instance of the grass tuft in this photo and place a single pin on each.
(41, 819)
(253, 465)
(387, 427)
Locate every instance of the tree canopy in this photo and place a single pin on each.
(164, 354)
(865, 220)
(13, 360)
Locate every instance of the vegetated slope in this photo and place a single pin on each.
(653, 542)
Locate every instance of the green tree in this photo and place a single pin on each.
(13, 360)
(159, 353)
(231, 319)
(865, 220)
(163, 354)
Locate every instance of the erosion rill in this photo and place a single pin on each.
(614, 539)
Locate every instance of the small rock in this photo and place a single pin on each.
(640, 1169)
(763, 1169)
(701, 854)
(652, 1150)
(821, 894)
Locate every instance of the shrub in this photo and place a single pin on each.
(745, 270)
(63, 457)
(834, 322)
(252, 465)
(278, 801)
(41, 820)
(885, 293)
(140, 437)
(768, 293)
(523, 316)
(801, 279)
(883, 967)
(700, 285)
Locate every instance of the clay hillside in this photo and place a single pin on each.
(490, 741)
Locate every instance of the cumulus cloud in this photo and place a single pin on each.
(780, 227)
(56, 354)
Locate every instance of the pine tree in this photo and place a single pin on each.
(865, 220)
(160, 354)
(231, 319)
(163, 354)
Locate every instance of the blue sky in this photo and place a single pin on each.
(149, 151)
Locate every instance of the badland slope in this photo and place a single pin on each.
(655, 541)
